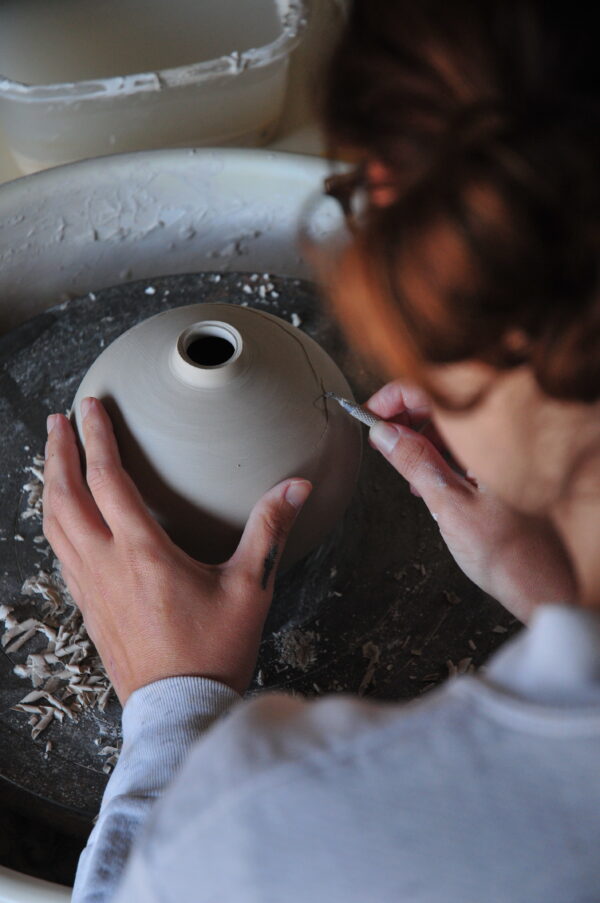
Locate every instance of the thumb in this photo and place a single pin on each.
(418, 461)
(271, 520)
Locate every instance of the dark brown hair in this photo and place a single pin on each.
(486, 117)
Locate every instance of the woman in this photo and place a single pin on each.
(472, 274)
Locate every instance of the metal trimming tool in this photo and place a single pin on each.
(355, 410)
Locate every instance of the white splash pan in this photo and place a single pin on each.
(17, 888)
(101, 222)
(85, 226)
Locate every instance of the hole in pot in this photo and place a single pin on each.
(210, 350)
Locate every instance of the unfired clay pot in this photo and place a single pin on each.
(213, 405)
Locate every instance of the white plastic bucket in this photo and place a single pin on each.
(231, 99)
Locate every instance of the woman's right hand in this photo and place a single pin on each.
(518, 559)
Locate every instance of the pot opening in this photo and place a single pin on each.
(210, 345)
(210, 350)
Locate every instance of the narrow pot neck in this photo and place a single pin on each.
(208, 353)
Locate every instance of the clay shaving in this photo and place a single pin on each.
(66, 675)
(297, 648)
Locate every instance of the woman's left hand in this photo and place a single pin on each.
(151, 610)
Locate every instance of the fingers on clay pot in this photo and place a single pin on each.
(214, 404)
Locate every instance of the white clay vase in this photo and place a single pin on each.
(214, 404)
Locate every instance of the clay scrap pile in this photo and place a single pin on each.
(65, 671)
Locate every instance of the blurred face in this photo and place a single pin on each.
(516, 441)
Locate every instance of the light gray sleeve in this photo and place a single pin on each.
(160, 723)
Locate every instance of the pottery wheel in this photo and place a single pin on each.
(380, 609)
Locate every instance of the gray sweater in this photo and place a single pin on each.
(487, 790)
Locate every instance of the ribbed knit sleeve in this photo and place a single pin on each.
(160, 724)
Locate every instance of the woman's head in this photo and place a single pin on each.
(478, 124)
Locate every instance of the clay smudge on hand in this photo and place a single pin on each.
(269, 564)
